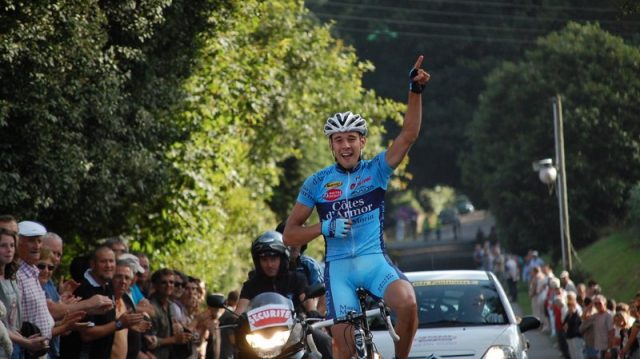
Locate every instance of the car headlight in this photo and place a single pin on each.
(500, 352)
(268, 343)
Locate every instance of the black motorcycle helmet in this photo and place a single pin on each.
(270, 244)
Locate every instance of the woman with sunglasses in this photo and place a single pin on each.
(45, 266)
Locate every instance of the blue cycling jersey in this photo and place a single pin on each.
(357, 194)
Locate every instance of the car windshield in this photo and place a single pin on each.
(452, 303)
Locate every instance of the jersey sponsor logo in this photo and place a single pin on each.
(361, 190)
(269, 316)
(385, 281)
(349, 209)
(363, 219)
(352, 208)
(344, 309)
(319, 176)
(360, 183)
(305, 192)
(333, 184)
(332, 194)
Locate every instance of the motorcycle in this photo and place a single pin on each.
(270, 328)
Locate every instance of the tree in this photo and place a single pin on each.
(462, 42)
(82, 88)
(597, 76)
(168, 121)
(264, 83)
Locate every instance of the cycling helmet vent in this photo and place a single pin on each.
(345, 122)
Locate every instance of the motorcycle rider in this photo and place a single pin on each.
(272, 274)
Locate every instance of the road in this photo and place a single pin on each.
(456, 253)
(541, 345)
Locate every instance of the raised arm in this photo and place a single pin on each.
(412, 118)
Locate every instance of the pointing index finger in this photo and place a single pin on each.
(418, 62)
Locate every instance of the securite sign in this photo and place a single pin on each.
(271, 315)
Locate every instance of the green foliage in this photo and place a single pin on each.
(170, 121)
(613, 262)
(462, 42)
(265, 82)
(633, 203)
(436, 199)
(598, 78)
(82, 87)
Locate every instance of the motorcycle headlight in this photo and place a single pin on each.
(268, 343)
(500, 352)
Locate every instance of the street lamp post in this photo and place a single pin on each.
(551, 175)
(565, 234)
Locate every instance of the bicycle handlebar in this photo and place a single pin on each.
(369, 313)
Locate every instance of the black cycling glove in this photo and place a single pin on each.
(415, 86)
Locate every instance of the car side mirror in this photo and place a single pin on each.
(528, 322)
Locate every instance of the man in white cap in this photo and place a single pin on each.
(566, 283)
(34, 302)
(138, 271)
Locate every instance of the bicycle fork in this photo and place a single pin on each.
(362, 335)
(359, 338)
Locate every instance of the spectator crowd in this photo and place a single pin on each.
(114, 307)
(111, 307)
(585, 323)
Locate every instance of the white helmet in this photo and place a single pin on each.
(345, 122)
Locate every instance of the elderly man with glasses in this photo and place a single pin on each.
(600, 321)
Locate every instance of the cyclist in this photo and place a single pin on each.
(349, 198)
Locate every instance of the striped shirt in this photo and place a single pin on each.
(34, 302)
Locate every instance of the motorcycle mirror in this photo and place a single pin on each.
(215, 301)
(315, 290)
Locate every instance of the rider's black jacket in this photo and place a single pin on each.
(288, 283)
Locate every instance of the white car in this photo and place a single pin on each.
(462, 314)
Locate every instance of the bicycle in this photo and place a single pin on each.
(363, 338)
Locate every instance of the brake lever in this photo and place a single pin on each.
(384, 313)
